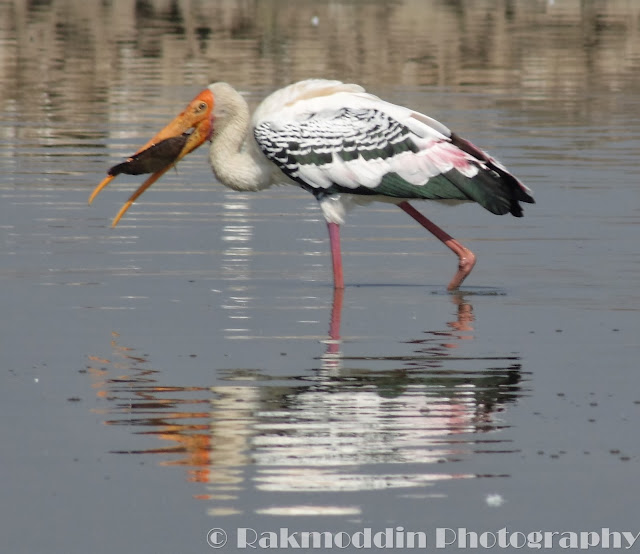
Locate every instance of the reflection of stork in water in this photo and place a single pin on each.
(324, 430)
(341, 144)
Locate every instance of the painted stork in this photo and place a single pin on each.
(341, 144)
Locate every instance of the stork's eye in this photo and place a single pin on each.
(202, 106)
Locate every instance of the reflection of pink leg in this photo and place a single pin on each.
(467, 259)
(336, 256)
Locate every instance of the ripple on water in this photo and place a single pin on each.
(341, 428)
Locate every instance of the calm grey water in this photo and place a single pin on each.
(192, 370)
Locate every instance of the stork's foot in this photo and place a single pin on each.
(466, 261)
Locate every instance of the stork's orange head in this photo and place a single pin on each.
(190, 129)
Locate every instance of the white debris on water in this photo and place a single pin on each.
(494, 500)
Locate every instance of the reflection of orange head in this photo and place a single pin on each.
(195, 446)
(193, 439)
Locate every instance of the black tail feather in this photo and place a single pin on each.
(511, 186)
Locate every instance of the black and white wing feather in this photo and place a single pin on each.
(352, 142)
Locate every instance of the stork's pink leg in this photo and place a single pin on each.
(336, 255)
(466, 258)
(334, 325)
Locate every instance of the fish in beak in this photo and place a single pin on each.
(183, 135)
